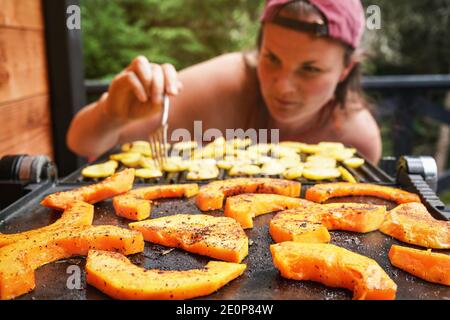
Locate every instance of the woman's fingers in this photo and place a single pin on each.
(142, 68)
(157, 84)
(155, 78)
(171, 79)
(146, 82)
(136, 85)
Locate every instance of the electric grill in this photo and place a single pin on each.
(261, 279)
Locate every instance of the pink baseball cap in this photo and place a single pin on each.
(345, 19)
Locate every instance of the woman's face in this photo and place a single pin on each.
(298, 72)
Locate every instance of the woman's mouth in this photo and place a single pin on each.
(284, 104)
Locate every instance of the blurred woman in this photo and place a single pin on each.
(303, 79)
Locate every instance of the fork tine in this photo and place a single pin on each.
(154, 149)
(165, 151)
(160, 147)
(163, 146)
(164, 120)
(166, 147)
(160, 153)
(157, 155)
(152, 152)
(158, 139)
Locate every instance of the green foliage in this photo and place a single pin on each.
(181, 32)
(413, 39)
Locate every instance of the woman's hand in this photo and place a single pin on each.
(138, 90)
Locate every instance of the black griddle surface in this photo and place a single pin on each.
(261, 280)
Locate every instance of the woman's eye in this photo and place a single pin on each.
(272, 58)
(311, 69)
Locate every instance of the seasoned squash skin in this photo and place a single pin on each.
(217, 237)
(335, 267)
(118, 183)
(244, 207)
(19, 260)
(427, 265)
(311, 224)
(77, 214)
(322, 192)
(211, 196)
(136, 204)
(113, 274)
(412, 223)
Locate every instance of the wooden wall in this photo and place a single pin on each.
(25, 124)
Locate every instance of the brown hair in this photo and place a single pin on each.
(351, 85)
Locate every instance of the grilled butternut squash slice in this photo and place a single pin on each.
(136, 204)
(335, 267)
(322, 192)
(427, 265)
(118, 183)
(311, 223)
(113, 274)
(77, 214)
(412, 223)
(211, 196)
(244, 207)
(295, 227)
(217, 237)
(19, 260)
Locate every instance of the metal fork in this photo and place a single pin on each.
(158, 138)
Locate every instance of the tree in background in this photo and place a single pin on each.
(414, 37)
(181, 32)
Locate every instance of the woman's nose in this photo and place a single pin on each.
(284, 84)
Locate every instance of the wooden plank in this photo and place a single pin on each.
(23, 65)
(25, 14)
(26, 127)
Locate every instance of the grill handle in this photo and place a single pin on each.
(419, 175)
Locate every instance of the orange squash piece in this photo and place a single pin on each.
(116, 184)
(295, 227)
(311, 224)
(412, 223)
(211, 196)
(244, 207)
(335, 267)
(114, 275)
(136, 204)
(324, 191)
(217, 237)
(19, 260)
(427, 265)
(77, 214)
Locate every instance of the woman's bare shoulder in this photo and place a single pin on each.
(221, 80)
(218, 92)
(228, 63)
(359, 128)
(227, 71)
